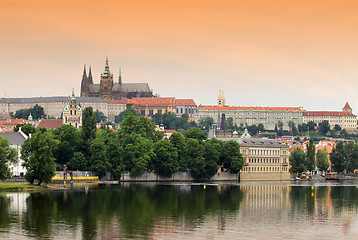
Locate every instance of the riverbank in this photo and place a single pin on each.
(15, 186)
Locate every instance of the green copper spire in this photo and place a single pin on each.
(73, 98)
(106, 72)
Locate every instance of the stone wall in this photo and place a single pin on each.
(264, 176)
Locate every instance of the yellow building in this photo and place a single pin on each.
(265, 159)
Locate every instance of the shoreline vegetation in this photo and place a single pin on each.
(21, 186)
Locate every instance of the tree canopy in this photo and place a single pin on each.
(8, 155)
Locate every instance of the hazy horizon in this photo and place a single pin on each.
(260, 53)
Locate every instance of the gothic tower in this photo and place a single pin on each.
(106, 83)
(120, 77)
(84, 83)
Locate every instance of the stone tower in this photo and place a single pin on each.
(72, 113)
(221, 99)
(106, 83)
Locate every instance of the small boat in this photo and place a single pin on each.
(332, 176)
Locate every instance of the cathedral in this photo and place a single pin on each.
(108, 90)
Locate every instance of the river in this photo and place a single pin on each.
(256, 210)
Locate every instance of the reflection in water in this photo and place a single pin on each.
(181, 211)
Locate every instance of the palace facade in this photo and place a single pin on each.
(345, 118)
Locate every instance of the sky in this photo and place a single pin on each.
(299, 53)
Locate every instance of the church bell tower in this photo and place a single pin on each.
(106, 83)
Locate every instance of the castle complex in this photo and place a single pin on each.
(108, 90)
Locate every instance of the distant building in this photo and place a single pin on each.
(50, 123)
(16, 139)
(268, 116)
(109, 90)
(345, 118)
(72, 113)
(265, 159)
(151, 106)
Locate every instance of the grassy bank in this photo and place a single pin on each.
(20, 186)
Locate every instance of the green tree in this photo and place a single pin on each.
(311, 126)
(311, 154)
(322, 160)
(324, 127)
(212, 153)
(351, 155)
(280, 128)
(252, 129)
(231, 157)
(337, 127)
(137, 153)
(7, 156)
(36, 112)
(98, 160)
(195, 157)
(69, 142)
(178, 141)
(78, 162)
(26, 128)
(39, 161)
(261, 127)
(292, 127)
(230, 123)
(195, 133)
(100, 117)
(344, 133)
(88, 130)
(298, 160)
(114, 155)
(165, 159)
(119, 118)
(338, 158)
(206, 122)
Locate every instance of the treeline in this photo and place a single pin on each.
(343, 158)
(135, 147)
(37, 112)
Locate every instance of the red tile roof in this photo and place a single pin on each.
(327, 113)
(15, 122)
(228, 108)
(185, 102)
(50, 123)
(170, 131)
(347, 106)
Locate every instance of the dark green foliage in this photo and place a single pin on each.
(252, 129)
(178, 141)
(212, 154)
(206, 122)
(26, 128)
(69, 142)
(98, 160)
(119, 118)
(260, 127)
(311, 155)
(231, 157)
(137, 153)
(298, 160)
(195, 133)
(324, 127)
(142, 126)
(100, 117)
(195, 157)
(39, 161)
(88, 130)
(171, 121)
(322, 160)
(78, 162)
(338, 158)
(36, 112)
(165, 159)
(7, 156)
(337, 127)
(292, 127)
(311, 126)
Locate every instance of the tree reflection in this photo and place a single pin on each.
(137, 207)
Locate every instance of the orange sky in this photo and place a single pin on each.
(277, 53)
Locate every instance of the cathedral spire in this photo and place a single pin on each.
(84, 76)
(106, 72)
(120, 76)
(90, 79)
